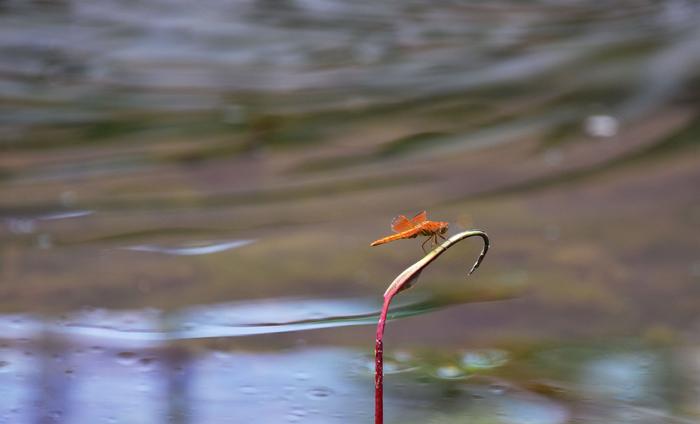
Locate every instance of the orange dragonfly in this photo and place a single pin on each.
(411, 228)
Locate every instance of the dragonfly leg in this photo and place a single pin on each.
(422, 246)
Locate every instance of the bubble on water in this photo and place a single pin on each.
(449, 372)
(319, 393)
(601, 126)
(485, 359)
(126, 358)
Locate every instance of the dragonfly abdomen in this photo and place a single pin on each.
(412, 233)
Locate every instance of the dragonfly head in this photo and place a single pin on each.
(443, 228)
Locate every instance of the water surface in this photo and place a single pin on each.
(188, 191)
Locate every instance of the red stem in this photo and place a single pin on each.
(379, 361)
(402, 282)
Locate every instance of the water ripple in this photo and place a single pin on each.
(236, 319)
(190, 250)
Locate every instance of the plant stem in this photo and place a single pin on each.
(402, 282)
(379, 364)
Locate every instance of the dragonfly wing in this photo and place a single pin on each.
(401, 223)
(419, 218)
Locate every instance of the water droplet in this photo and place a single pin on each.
(320, 392)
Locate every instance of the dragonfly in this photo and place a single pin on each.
(417, 226)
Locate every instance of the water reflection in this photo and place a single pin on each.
(313, 385)
(47, 381)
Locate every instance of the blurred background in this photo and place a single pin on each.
(188, 191)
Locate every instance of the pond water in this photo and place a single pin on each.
(188, 191)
